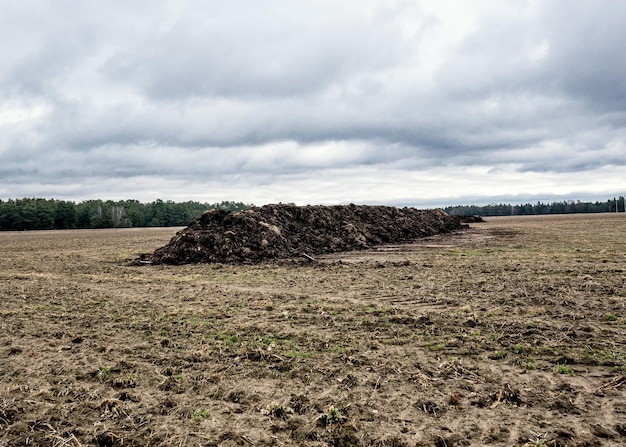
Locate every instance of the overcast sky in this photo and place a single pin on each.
(416, 102)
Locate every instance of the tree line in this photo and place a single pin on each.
(564, 207)
(51, 214)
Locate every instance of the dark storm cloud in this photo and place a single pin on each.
(278, 92)
(588, 56)
(257, 50)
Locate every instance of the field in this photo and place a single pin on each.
(511, 333)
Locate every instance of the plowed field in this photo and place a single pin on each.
(512, 333)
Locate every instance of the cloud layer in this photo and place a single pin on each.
(430, 102)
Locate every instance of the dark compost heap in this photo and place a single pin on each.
(281, 231)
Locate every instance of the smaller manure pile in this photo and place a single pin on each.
(274, 232)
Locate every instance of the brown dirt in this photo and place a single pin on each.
(509, 334)
(283, 231)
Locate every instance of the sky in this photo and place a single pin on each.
(402, 102)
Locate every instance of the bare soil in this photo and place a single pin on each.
(511, 333)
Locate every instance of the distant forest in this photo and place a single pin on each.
(565, 207)
(50, 214)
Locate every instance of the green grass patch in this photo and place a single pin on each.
(563, 369)
(436, 346)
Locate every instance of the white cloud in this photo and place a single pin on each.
(312, 102)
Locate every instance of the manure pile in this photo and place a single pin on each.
(285, 231)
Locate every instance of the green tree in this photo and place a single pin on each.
(65, 215)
